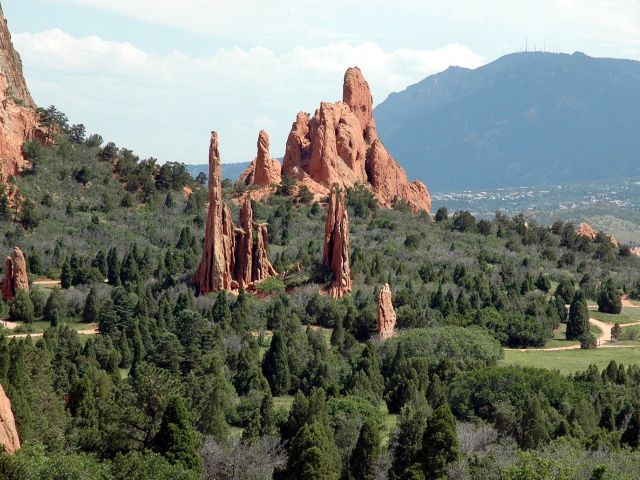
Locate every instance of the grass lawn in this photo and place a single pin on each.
(628, 315)
(41, 326)
(560, 339)
(571, 361)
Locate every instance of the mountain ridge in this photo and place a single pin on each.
(530, 118)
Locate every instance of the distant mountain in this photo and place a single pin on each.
(525, 119)
(229, 170)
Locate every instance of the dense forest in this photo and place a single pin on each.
(284, 382)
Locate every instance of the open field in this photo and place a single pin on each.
(628, 315)
(571, 361)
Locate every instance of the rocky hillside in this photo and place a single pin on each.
(18, 117)
(526, 119)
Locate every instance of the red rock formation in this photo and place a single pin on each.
(230, 258)
(9, 439)
(635, 251)
(386, 314)
(216, 265)
(262, 267)
(264, 171)
(11, 66)
(585, 230)
(15, 275)
(336, 246)
(18, 117)
(244, 246)
(339, 145)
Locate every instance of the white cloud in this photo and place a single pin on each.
(164, 106)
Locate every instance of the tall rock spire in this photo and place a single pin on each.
(11, 65)
(386, 314)
(214, 273)
(336, 246)
(9, 439)
(264, 171)
(231, 259)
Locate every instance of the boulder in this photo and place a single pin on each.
(336, 246)
(9, 438)
(386, 314)
(585, 230)
(244, 246)
(15, 275)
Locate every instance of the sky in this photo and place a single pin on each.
(157, 76)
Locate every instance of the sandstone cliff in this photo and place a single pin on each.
(386, 314)
(336, 246)
(15, 275)
(9, 438)
(339, 146)
(231, 259)
(18, 117)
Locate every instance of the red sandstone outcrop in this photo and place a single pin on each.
(339, 146)
(264, 171)
(11, 65)
(386, 314)
(262, 267)
(9, 439)
(336, 246)
(214, 273)
(18, 117)
(585, 230)
(230, 257)
(635, 251)
(15, 275)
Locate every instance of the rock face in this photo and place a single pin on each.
(18, 117)
(9, 438)
(11, 65)
(15, 275)
(339, 145)
(228, 257)
(336, 246)
(386, 314)
(264, 171)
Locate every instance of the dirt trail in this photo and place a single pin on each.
(603, 339)
(92, 330)
(46, 282)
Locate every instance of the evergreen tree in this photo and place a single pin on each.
(364, 457)
(55, 309)
(440, 443)
(113, 267)
(176, 440)
(267, 417)
(35, 263)
(407, 439)
(631, 436)
(275, 365)
(609, 298)
(100, 262)
(221, 312)
(91, 310)
(168, 201)
(578, 323)
(534, 424)
(313, 454)
(66, 276)
(21, 307)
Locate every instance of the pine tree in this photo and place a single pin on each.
(313, 454)
(337, 335)
(21, 307)
(364, 457)
(113, 267)
(534, 424)
(221, 312)
(66, 275)
(578, 323)
(54, 309)
(91, 311)
(168, 201)
(100, 262)
(407, 440)
(129, 269)
(176, 440)
(609, 298)
(275, 365)
(631, 436)
(440, 445)
(267, 417)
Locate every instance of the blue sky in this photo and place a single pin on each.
(158, 75)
